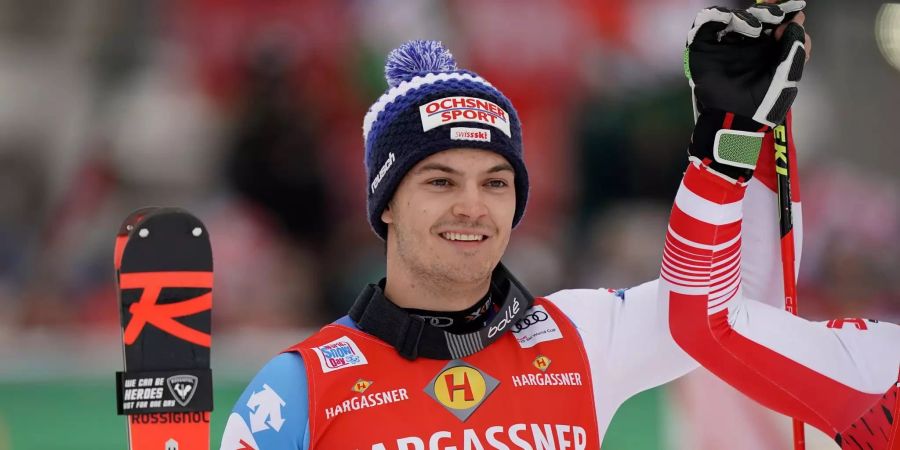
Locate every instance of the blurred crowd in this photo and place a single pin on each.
(249, 114)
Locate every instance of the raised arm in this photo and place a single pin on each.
(827, 374)
(611, 323)
(840, 376)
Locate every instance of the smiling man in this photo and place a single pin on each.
(450, 351)
(450, 218)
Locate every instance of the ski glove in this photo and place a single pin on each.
(743, 81)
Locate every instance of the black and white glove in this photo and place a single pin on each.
(743, 79)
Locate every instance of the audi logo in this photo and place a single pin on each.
(529, 320)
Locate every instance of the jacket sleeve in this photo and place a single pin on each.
(826, 374)
(626, 332)
(611, 323)
(273, 411)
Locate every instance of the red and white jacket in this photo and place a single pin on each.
(839, 376)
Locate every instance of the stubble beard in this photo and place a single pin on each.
(439, 270)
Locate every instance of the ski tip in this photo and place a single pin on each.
(166, 239)
(125, 229)
(186, 222)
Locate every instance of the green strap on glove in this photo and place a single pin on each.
(737, 148)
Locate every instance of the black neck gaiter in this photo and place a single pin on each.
(441, 335)
(468, 320)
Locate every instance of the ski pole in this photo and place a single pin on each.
(786, 227)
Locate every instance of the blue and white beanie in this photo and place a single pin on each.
(432, 106)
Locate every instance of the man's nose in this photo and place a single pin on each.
(470, 203)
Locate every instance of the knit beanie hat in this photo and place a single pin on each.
(431, 106)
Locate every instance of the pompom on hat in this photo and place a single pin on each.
(431, 106)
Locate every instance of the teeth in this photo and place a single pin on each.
(462, 237)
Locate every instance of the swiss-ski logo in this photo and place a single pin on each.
(470, 134)
(182, 388)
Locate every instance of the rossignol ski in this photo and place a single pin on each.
(164, 280)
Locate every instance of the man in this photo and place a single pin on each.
(450, 350)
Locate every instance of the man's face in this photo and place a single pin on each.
(451, 216)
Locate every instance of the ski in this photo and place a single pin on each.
(164, 279)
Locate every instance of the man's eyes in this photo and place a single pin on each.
(439, 182)
(444, 182)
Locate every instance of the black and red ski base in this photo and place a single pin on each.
(164, 274)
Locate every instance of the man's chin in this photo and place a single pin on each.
(470, 272)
